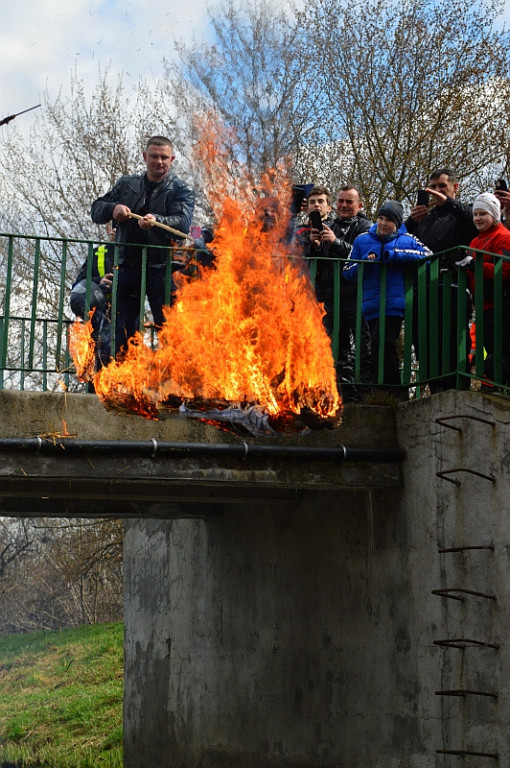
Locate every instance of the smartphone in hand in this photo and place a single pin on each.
(422, 197)
(316, 220)
(501, 185)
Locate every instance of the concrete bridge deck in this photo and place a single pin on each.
(64, 454)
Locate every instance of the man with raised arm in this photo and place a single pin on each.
(443, 226)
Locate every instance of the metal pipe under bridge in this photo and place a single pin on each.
(63, 454)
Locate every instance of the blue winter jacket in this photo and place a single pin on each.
(396, 251)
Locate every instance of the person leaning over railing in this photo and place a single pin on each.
(493, 238)
(387, 242)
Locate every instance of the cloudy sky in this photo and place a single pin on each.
(43, 41)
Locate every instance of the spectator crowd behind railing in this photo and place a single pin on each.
(37, 274)
(409, 306)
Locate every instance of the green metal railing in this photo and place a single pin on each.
(36, 275)
(441, 344)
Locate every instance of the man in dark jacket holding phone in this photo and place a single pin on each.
(156, 196)
(444, 226)
(333, 240)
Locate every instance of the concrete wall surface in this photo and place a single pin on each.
(310, 633)
(456, 497)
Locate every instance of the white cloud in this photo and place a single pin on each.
(42, 43)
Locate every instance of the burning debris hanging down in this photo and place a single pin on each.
(243, 346)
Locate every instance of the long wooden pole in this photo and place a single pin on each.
(163, 226)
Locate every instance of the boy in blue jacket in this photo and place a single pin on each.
(387, 241)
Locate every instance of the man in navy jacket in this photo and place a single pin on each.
(156, 196)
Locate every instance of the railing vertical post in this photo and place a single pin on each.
(61, 294)
(448, 322)
(7, 303)
(479, 346)
(335, 341)
(22, 356)
(88, 290)
(113, 310)
(462, 331)
(143, 288)
(439, 333)
(408, 326)
(498, 321)
(422, 332)
(359, 318)
(168, 277)
(33, 308)
(45, 356)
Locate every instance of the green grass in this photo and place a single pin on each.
(61, 698)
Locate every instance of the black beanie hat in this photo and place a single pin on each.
(393, 210)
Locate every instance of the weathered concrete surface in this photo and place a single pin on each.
(306, 634)
(300, 617)
(149, 482)
(465, 438)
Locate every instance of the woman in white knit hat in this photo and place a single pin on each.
(493, 238)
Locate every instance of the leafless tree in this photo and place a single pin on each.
(259, 77)
(77, 148)
(15, 541)
(56, 573)
(377, 92)
(412, 86)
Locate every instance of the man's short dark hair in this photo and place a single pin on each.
(348, 187)
(159, 141)
(452, 176)
(318, 191)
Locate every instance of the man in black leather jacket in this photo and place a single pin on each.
(444, 226)
(335, 242)
(157, 196)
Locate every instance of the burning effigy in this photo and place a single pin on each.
(243, 346)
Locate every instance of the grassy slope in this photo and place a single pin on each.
(61, 698)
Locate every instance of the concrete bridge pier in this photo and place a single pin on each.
(264, 633)
(320, 629)
(255, 637)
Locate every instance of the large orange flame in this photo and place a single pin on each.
(247, 332)
(82, 349)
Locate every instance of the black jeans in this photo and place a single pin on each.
(391, 373)
(346, 339)
(129, 297)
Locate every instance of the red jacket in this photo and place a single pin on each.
(495, 240)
